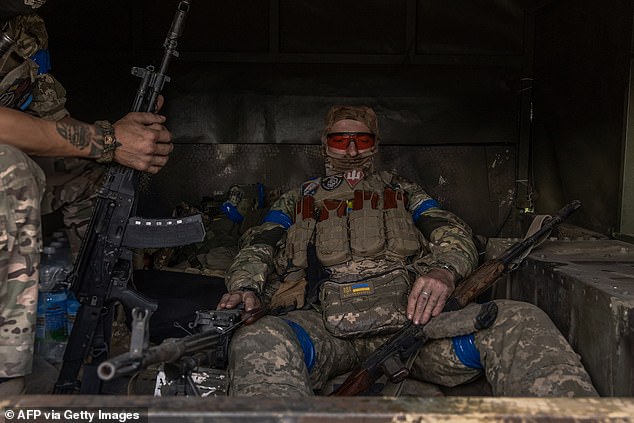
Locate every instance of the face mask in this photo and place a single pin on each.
(12, 8)
(364, 161)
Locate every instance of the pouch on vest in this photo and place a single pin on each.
(300, 233)
(370, 306)
(16, 86)
(367, 234)
(402, 235)
(332, 233)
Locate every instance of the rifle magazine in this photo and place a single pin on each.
(159, 233)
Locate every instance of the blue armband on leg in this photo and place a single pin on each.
(307, 344)
(465, 349)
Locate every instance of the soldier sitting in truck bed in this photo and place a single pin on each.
(391, 255)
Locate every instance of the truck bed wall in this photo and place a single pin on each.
(547, 77)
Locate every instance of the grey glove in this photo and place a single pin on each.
(461, 322)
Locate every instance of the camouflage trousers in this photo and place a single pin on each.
(24, 196)
(22, 184)
(71, 186)
(522, 354)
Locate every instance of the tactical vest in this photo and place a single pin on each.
(24, 79)
(352, 217)
(360, 224)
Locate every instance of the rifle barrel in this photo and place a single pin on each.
(168, 351)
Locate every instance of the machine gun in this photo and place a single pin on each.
(388, 359)
(180, 356)
(103, 269)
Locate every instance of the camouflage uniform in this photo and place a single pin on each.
(521, 354)
(20, 243)
(25, 85)
(71, 187)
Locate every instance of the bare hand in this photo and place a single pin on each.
(234, 298)
(429, 295)
(145, 142)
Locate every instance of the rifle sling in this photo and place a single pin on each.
(537, 223)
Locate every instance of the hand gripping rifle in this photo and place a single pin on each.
(103, 269)
(388, 358)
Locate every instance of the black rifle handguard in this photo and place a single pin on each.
(103, 269)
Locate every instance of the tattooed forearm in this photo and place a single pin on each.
(80, 135)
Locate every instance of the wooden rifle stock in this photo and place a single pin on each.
(478, 282)
(387, 359)
(358, 382)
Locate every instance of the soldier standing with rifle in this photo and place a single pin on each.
(380, 254)
(34, 122)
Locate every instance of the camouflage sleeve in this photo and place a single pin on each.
(49, 99)
(31, 42)
(450, 238)
(258, 246)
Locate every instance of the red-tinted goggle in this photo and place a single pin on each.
(341, 140)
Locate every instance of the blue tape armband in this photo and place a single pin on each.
(307, 344)
(43, 60)
(232, 212)
(423, 207)
(465, 349)
(278, 216)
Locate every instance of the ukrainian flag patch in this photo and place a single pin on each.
(356, 289)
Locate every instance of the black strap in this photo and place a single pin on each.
(316, 275)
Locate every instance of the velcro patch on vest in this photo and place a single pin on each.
(353, 177)
(357, 289)
(309, 188)
(16, 94)
(330, 183)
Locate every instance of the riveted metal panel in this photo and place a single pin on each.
(587, 288)
(475, 182)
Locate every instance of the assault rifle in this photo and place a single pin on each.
(388, 359)
(183, 355)
(103, 269)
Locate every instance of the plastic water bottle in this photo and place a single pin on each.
(51, 322)
(51, 328)
(48, 269)
(63, 259)
(46, 284)
(59, 236)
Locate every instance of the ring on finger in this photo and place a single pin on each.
(425, 293)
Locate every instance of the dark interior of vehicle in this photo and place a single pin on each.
(501, 109)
